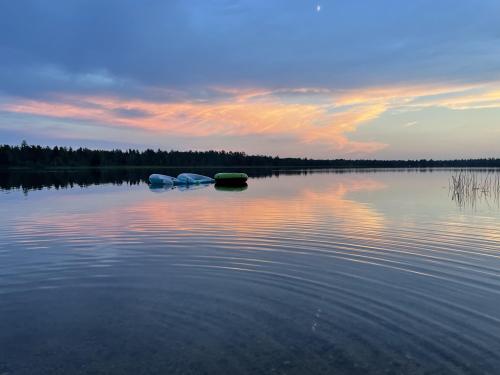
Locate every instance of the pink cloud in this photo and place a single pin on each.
(325, 118)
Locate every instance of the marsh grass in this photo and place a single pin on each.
(469, 187)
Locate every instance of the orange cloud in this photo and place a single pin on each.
(248, 113)
(309, 115)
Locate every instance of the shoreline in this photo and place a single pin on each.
(253, 167)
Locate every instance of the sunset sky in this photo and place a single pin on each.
(324, 79)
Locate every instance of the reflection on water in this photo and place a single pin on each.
(241, 187)
(321, 273)
(28, 180)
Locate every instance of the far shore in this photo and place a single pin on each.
(238, 167)
(37, 157)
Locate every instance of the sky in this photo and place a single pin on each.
(316, 79)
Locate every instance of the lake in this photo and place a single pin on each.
(326, 272)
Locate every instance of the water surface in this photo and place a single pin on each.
(317, 273)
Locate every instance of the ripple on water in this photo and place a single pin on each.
(311, 281)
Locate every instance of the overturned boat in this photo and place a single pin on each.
(231, 179)
(193, 179)
(161, 179)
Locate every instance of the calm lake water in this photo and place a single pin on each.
(301, 273)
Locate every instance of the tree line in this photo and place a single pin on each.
(35, 156)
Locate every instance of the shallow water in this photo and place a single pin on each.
(317, 273)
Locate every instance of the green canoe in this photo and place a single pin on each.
(230, 178)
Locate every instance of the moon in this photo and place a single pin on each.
(318, 8)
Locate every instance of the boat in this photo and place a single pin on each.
(161, 179)
(231, 179)
(193, 179)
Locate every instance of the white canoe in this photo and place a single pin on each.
(193, 179)
(161, 179)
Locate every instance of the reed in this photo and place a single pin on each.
(467, 187)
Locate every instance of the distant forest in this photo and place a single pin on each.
(30, 156)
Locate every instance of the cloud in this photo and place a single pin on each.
(247, 68)
(326, 121)
(477, 97)
(178, 44)
(245, 113)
